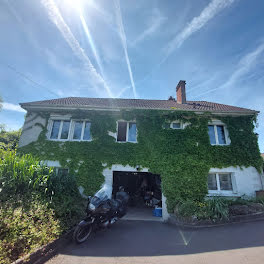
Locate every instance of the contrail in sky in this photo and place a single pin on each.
(57, 19)
(197, 23)
(124, 43)
(243, 67)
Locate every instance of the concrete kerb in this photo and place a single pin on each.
(235, 220)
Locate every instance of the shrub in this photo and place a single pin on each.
(65, 199)
(22, 231)
(36, 205)
(218, 208)
(21, 175)
(214, 209)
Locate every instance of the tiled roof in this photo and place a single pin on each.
(116, 103)
(262, 155)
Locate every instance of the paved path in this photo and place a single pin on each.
(131, 242)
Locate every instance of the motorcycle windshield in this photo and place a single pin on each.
(101, 196)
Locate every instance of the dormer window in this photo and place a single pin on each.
(126, 131)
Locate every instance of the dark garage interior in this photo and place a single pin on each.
(144, 189)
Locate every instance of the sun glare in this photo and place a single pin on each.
(77, 5)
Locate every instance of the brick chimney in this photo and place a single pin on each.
(180, 92)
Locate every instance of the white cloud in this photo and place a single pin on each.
(13, 107)
(124, 43)
(155, 22)
(245, 64)
(57, 19)
(209, 12)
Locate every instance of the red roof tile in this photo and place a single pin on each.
(116, 103)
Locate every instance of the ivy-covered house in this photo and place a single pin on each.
(197, 148)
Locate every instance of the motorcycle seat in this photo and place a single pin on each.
(115, 204)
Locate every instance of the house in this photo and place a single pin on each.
(187, 149)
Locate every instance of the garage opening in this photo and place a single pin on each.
(144, 189)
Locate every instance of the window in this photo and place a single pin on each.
(67, 130)
(176, 125)
(220, 182)
(60, 129)
(126, 131)
(61, 172)
(173, 125)
(81, 130)
(217, 134)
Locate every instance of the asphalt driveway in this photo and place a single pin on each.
(155, 242)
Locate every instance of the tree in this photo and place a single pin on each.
(9, 139)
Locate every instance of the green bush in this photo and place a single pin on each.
(64, 197)
(23, 230)
(214, 209)
(36, 205)
(218, 208)
(9, 139)
(21, 175)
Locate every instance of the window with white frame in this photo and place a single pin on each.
(81, 130)
(78, 130)
(218, 182)
(60, 129)
(173, 125)
(217, 134)
(176, 125)
(126, 131)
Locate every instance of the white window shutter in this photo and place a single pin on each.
(233, 178)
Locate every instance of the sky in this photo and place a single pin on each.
(131, 49)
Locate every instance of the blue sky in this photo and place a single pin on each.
(131, 49)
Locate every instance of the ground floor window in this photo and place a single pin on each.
(220, 182)
(62, 172)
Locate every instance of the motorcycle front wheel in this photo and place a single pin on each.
(81, 233)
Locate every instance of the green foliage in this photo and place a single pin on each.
(23, 230)
(20, 175)
(36, 205)
(214, 209)
(182, 157)
(218, 208)
(9, 139)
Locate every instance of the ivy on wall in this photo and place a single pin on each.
(182, 157)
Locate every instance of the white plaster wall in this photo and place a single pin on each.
(247, 181)
(108, 174)
(52, 163)
(30, 131)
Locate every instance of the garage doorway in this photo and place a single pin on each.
(144, 189)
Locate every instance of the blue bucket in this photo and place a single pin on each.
(157, 212)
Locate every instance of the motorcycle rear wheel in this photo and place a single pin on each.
(81, 233)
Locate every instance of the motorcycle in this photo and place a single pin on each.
(101, 212)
